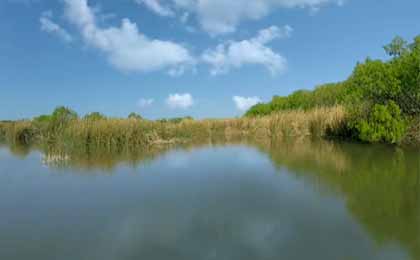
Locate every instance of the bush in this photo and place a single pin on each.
(375, 81)
(94, 116)
(135, 116)
(384, 123)
(327, 95)
(259, 110)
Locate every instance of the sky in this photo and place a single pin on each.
(171, 58)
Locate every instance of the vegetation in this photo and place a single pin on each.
(380, 96)
(65, 129)
(135, 116)
(379, 102)
(384, 124)
(94, 116)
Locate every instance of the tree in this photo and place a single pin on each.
(374, 81)
(62, 115)
(397, 47)
(260, 109)
(383, 124)
(42, 119)
(94, 116)
(135, 116)
(408, 71)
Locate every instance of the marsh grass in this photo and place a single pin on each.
(135, 133)
(19, 132)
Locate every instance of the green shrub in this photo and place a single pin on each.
(63, 115)
(384, 123)
(94, 116)
(135, 116)
(327, 95)
(259, 110)
(375, 81)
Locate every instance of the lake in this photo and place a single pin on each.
(292, 200)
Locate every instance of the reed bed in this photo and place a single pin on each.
(134, 133)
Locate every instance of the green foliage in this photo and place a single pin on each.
(259, 110)
(42, 119)
(384, 123)
(94, 116)
(397, 80)
(50, 126)
(375, 81)
(62, 116)
(397, 47)
(176, 120)
(378, 95)
(328, 95)
(408, 71)
(135, 116)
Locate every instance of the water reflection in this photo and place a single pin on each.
(291, 200)
(380, 184)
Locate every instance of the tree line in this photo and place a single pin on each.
(382, 98)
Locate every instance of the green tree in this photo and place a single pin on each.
(42, 119)
(408, 69)
(135, 116)
(374, 81)
(61, 117)
(259, 110)
(397, 47)
(94, 116)
(383, 124)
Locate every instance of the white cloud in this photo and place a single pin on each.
(47, 25)
(245, 103)
(157, 7)
(145, 102)
(182, 101)
(223, 16)
(125, 47)
(235, 54)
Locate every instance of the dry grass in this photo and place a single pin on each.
(20, 132)
(132, 133)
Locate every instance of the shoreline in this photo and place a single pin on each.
(325, 123)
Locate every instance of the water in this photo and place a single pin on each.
(294, 200)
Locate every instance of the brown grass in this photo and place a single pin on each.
(132, 133)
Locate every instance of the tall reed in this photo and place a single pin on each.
(134, 133)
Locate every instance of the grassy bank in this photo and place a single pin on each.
(381, 98)
(65, 128)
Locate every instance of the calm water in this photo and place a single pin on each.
(296, 200)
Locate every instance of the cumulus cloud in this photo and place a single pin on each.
(235, 54)
(245, 103)
(223, 16)
(145, 102)
(157, 7)
(47, 25)
(182, 101)
(125, 47)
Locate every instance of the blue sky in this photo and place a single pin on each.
(204, 58)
